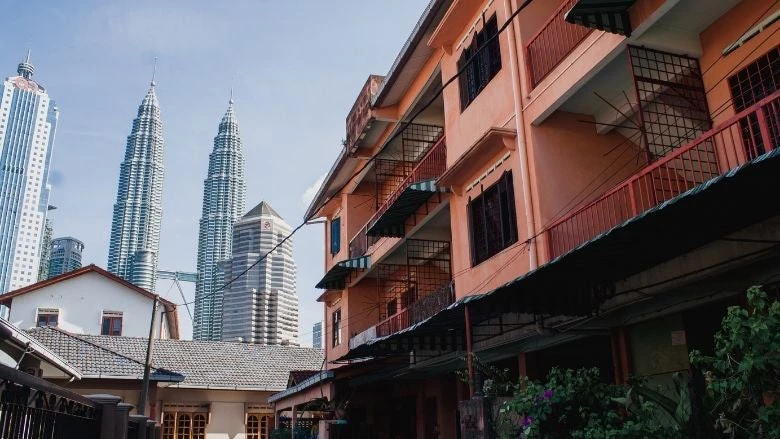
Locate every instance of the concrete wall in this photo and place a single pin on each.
(81, 301)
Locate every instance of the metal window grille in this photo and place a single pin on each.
(671, 99)
(336, 327)
(750, 85)
(483, 67)
(493, 220)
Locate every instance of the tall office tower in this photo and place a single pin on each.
(48, 232)
(28, 121)
(65, 256)
(135, 229)
(316, 335)
(260, 306)
(224, 196)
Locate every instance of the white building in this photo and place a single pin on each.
(91, 301)
(28, 120)
(261, 305)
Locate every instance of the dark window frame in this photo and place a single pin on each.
(336, 327)
(492, 220)
(48, 318)
(478, 73)
(112, 323)
(335, 238)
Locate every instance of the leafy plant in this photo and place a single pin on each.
(743, 377)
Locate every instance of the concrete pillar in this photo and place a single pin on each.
(108, 417)
(621, 356)
(122, 415)
(293, 421)
(140, 421)
(150, 429)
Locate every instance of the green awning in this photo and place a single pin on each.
(334, 278)
(391, 222)
(607, 15)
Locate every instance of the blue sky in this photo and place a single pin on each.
(296, 67)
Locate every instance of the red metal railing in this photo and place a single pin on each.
(360, 113)
(418, 311)
(360, 243)
(431, 166)
(552, 43)
(738, 140)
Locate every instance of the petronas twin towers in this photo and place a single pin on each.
(135, 236)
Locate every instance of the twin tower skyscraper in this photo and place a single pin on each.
(260, 305)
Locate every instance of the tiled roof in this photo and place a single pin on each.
(211, 364)
(95, 361)
(296, 376)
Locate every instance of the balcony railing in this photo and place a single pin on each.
(431, 166)
(363, 337)
(750, 133)
(552, 43)
(418, 311)
(360, 243)
(360, 114)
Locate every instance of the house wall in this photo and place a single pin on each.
(81, 301)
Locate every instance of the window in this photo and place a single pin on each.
(492, 220)
(112, 323)
(47, 317)
(750, 85)
(478, 73)
(183, 425)
(257, 426)
(336, 327)
(335, 235)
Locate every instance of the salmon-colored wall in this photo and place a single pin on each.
(492, 107)
(724, 31)
(359, 311)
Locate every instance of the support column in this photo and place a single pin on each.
(122, 415)
(140, 421)
(621, 355)
(293, 421)
(108, 417)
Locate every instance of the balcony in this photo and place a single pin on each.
(361, 242)
(414, 191)
(418, 311)
(742, 138)
(361, 115)
(552, 43)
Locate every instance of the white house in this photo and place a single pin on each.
(91, 301)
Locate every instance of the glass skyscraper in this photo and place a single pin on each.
(135, 228)
(28, 121)
(224, 195)
(65, 256)
(261, 306)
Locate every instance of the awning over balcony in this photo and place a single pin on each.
(334, 279)
(391, 222)
(607, 15)
(576, 283)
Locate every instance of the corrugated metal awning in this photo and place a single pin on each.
(391, 222)
(334, 278)
(607, 15)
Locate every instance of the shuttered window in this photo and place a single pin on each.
(335, 235)
(483, 67)
(492, 219)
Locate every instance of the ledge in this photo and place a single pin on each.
(493, 141)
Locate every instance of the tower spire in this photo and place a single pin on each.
(25, 68)
(154, 72)
(231, 96)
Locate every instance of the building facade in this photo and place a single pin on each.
(48, 234)
(135, 228)
(316, 335)
(224, 196)
(260, 306)
(64, 256)
(92, 301)
(28, 121)
(558, 183)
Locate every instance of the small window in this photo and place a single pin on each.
(257, 426)
(492, 220)
(112, 323)
(47, 317)
(336, 327)
(335, 236)
(477, 73)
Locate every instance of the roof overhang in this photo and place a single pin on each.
(320, 377)
(578, 282)
(491, 143)
(392, 221)
(334, 279)
(25, 343)
(339, 175)
(606, 15)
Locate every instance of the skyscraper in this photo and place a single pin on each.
(65, 256)
(316, 335)
(48, 231)
(135, 229)
(224, 195)
(28, 121)
(261, 306)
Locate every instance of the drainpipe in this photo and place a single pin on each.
(517, 92)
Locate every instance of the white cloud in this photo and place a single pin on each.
(311, 191)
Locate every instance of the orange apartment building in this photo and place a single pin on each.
(593, 188)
